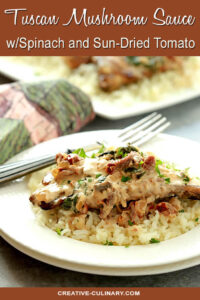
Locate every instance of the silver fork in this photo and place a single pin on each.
(137, 134)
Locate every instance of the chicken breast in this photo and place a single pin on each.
(124, 179)
(116, 71)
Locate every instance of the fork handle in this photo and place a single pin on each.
(18, 169)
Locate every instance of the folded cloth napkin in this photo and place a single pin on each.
(31, 113)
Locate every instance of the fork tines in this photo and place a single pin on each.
(144, 130)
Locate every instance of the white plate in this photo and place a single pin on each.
(18, 226)
(27, 72)
(104, 271)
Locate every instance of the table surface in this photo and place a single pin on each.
(20, 270)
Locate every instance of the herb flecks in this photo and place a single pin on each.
(80, 181)
(98, 175)
(121, 153)
(158, 163)
(125, 178)
(80, 152)
(58, 231)
(93, 155)
(186, 178)
(130, 223)
(107, 243)
(101, 150)
(167, 180)
(154, 241)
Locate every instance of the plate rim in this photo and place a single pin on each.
(131, 271)
(108, 131)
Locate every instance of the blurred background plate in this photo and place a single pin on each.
(19, 69)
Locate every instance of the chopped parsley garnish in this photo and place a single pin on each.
(80, 181)
(125, 178)
(121, 152)
(93, 155)
(107, 243)
(89, 179)
(186, 179)
(197, 219)
(141, 162)
(154, 241)
(101, 150)
(80, 152)
(167, 180)
(58, 231)
(98, 175)
(185, 176)
(181, 211)
(158, 163)
(126, 246)
(130, 223)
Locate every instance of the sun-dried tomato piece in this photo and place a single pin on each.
(110, 168)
